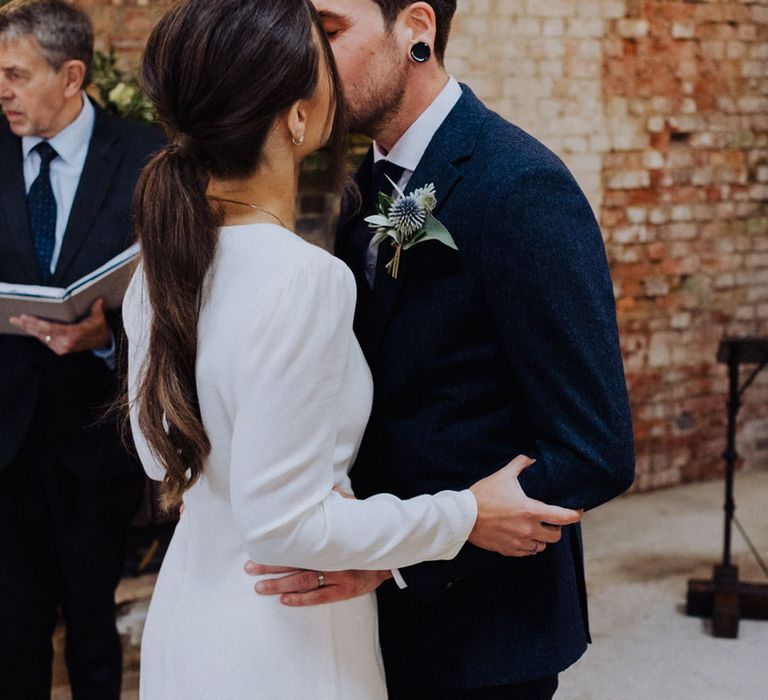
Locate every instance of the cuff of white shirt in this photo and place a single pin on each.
(399, 580)
(107, 354)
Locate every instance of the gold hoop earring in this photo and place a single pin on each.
(299, 141)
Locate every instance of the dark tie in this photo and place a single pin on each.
(381, 171)
(41, 205)
(362, 233)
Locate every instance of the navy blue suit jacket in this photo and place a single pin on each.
(507, 346)
(68, 394)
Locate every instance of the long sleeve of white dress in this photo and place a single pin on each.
(283, 444)
(289, 353)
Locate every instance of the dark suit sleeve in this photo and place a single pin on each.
(549, 292)
(550, 295)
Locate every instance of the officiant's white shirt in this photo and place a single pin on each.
(410, 149)
(71, 144)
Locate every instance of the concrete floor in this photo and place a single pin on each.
(640, 552)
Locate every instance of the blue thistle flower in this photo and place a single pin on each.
(407, 216)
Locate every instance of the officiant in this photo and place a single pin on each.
(68, 487)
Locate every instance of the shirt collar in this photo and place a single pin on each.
(68, 142)
(411, 146)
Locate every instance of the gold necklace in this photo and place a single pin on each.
(254, 206)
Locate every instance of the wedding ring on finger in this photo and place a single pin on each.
(320, 579)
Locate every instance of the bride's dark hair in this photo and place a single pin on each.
(219, 74)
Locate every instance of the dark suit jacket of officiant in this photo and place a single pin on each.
(507, 346)
(68, 394)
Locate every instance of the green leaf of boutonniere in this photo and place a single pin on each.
(379, 221)
(433, 231)
(385, 201)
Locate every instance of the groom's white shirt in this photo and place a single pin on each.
(407, 153)
(410, 149)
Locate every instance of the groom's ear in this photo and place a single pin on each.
(420, 21)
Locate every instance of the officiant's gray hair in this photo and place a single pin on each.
(62, 31)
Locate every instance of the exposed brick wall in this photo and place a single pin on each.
(539, 63)
(124, 24)
(685, 217)
(661, 110)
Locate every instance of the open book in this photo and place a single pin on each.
(108, 282)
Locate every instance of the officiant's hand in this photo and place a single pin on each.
(92, 333)
(510, 523)
(300, 587)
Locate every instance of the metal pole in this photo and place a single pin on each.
(730, 455)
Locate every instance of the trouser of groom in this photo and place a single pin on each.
(62, 548)
(543, 689)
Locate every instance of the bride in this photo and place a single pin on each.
(249, 393)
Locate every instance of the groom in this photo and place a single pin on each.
(505, 346)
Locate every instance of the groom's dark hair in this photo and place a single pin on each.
(444, 11)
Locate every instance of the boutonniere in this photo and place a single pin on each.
(408, 221)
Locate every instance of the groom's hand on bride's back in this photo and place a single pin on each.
(510, 523)
(299, 587)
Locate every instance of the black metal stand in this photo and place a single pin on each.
(724, 598)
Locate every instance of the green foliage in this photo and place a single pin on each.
(119, 92)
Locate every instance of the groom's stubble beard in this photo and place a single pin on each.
(380, 100)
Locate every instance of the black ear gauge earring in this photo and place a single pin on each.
(420, 52)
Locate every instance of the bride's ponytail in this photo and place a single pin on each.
(177, 229)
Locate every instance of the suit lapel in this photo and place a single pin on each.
(387, 290)
(98, 172)
(13, 198)
(452, 144)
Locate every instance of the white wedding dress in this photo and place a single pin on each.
(285, 394)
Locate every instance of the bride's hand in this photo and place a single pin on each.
(510, 523)
(301, 587)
